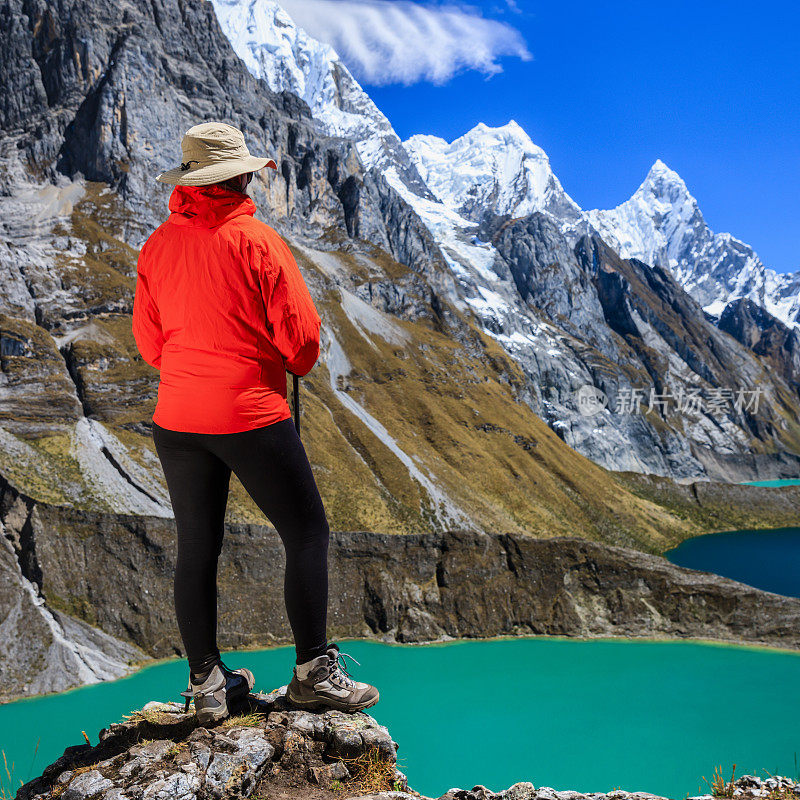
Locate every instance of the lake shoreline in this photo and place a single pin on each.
(714, 507)
(665, 640)
(431, 588)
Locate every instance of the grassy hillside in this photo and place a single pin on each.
(408, 428)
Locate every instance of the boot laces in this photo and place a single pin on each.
(339, 673)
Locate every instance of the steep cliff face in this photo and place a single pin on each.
(77, 567)
(113, 85)
(629, 330)
(766, 336)
(44, 648)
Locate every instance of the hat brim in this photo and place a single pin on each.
(214, 173)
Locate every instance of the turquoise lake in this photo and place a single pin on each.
(767, 559)
(570, 714)
(779, 482)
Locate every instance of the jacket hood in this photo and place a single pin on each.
(207, 206)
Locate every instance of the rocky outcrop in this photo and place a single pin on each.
(111, 576)
(721, 506)
(745, 787)
(46, 649)
(269, 749)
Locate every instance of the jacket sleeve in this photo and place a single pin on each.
(146, 318)
(291, 315)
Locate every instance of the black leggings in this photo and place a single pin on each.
(272, 465)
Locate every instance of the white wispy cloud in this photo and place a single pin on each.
(401, 41)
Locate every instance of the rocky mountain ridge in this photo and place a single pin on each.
(500, 171)
(765, 335)
(491, 170)
(662, 224)
(288, 59)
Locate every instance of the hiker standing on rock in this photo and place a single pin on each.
(222, 310)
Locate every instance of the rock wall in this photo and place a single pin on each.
(114, 572)
(45, 649)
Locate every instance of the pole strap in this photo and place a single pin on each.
(296, 400)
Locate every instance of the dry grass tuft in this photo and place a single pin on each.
(372, 771)
(7, 781)
(151, 716)
(250, 720)
(175, 749)
(718, 785)
(9, 776)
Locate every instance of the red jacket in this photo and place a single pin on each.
(222, 310)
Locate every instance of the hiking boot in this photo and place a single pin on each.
(325, 683)
(212, 695)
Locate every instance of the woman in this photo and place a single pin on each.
(222, 310)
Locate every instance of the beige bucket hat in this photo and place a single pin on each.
(213, 152)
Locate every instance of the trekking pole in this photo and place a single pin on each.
(296, 401)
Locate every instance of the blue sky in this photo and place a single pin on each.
(711, 88)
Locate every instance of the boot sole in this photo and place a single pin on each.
(337, 705)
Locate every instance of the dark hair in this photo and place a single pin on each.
(238, 183)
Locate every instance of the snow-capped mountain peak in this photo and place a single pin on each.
(499, 170)
(274, 48)
(662, 225)
(661, 170)
(664, 185)
(658, 225)
(490, 169)
(511, 134)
